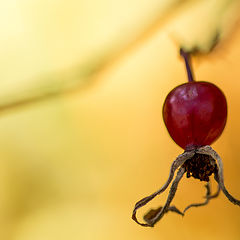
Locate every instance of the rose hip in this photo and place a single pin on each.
(195, 115)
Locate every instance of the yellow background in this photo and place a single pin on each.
(73, 166)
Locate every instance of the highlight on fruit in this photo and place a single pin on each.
(195, 115)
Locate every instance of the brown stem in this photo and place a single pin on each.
(187, 59)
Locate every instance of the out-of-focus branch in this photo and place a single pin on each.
(77, 78)
(72, 80)
(207, 25)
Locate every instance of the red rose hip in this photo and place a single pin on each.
(195, 114)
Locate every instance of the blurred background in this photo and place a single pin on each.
(82, 84)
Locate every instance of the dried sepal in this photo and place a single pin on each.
(179, 161)
(154, 212)
(219, 174)
(215, 195)
(208, 193)
(199, 163)
(151, 222)
(207, 197)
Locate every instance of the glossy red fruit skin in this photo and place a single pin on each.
(195, 114)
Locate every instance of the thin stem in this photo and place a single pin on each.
(187, 59)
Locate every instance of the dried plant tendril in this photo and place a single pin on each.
(193, 131)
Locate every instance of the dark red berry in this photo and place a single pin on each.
(195, 113)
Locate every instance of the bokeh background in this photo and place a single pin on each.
(82, 138)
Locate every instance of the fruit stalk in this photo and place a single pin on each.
(187, 60)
